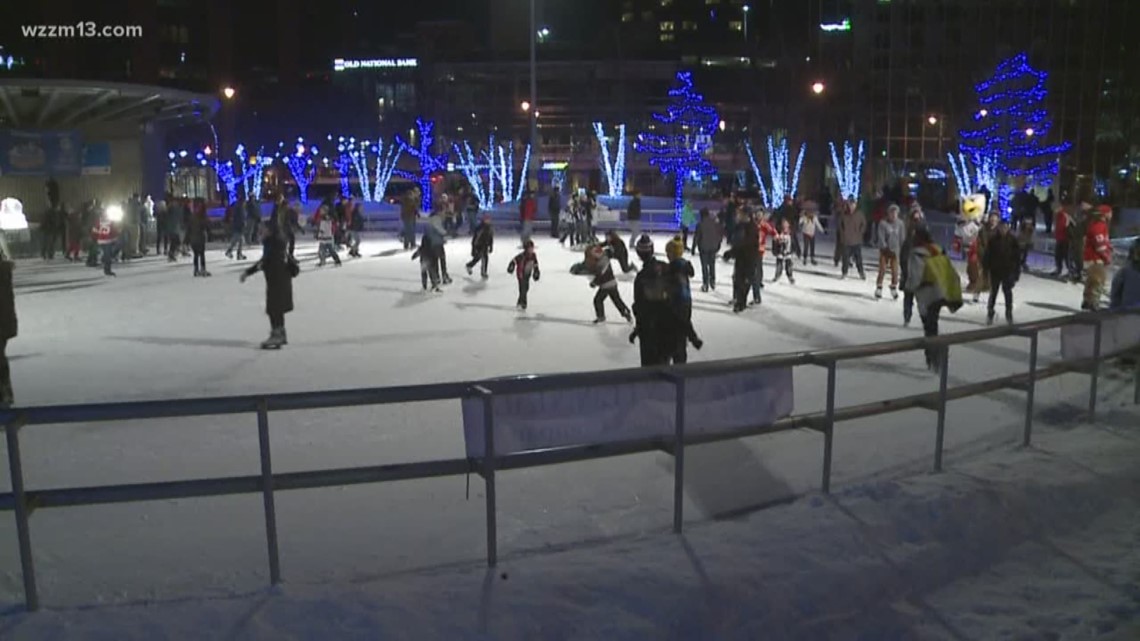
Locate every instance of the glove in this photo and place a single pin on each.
(698, 343)
(536, 277)
(593, 285)
(241, 279)
(633, 337)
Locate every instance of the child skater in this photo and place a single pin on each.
(782, 251)
(607, 286)
(427, 254)
(326, 238)
(681, 271)
(481, 246)
(524, 267)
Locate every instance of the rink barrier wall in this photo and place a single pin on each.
(23, 501)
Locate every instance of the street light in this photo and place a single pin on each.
(722, 125)
(817, 88)
(525, 105)
(1029, 132)
(228, 92)
(983, 113)
(933, 120)
(543, 34)
(747, 8)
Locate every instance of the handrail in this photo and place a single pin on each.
(23, 501)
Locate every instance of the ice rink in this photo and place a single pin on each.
(156, 332)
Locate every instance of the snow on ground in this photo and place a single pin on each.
(156, 332)
(1036, 543)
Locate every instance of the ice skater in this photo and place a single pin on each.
(279, 269)
(235, 218)
(326, 247)
(8, 322)
(482, 244)
(782, 252)
(355, 225)
(1003, 262)
(106, 239)
(427, 254)
(680, 273)
(617, 247)
(525, 267)
(810, 226)
(197, 233)
(707, 240)
(656, 330)
(889, 236)
(607, 286)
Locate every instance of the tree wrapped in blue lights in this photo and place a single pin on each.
(473, 170)
(254, 170)
(682, 150)
(429, 162)
(343, 164)
(984, 174)
(299, 161)
(849, 174)
(1011, 126)
(614, 171)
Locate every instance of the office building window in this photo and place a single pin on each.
(627, 16)
(666, 26)
(688, 25)
(667, 37)
(708, 2)
(666, 3)
(735, 25)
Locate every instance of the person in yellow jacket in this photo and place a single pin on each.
(935, 284)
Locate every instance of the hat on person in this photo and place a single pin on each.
(644, 245)
(674, 249)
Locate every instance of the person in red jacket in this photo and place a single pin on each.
(528, 210)
(106, 235)
(764, 230)
(1097, 256)
(1061, 232)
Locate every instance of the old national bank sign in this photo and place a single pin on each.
(348, 64)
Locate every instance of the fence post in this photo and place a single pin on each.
(829, 427)
(27, 564)
(1095, 374)
(679, 454)
(267, 491)
(943, 377)
(1136, 378)
(1030, 389)
(489, 474)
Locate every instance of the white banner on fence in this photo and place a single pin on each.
(1121, 332)
(622, 412)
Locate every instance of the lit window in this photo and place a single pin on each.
(666, 26)
(627, 16)
(712, 1)
(735, 25)
(666, 37)
(688, 25)
(666, 3)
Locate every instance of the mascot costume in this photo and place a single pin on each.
(966, 240)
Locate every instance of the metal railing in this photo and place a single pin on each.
(22, 501)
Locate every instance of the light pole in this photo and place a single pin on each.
(747, 9)
(535, 147)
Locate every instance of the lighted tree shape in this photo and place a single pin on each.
(301, 167)
(784, 181)
(682, 149)
(254, 170)
(1011, 126)
(615, 171)
(849, 173)
(429, 162)
(472, 170)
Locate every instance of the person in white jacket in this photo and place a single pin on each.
(810, 225)
(327, 247)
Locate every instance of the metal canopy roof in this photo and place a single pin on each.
(78, 104)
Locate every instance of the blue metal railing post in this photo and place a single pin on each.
(489, 474)
(1095, 374)
(267, 491)
(829, 427)
(679, 454)
(943, 378)
(23, 534)
(1030, 390)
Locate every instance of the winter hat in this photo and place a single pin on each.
(644, 245)
(1104, 210)
(528, 244)
(895, 209)
(674, 249)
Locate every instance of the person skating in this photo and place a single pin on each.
(326, 247)
(253, 220)
(429, 262)
(161, 238)
(681, 272)
(619, 251)
(1097, 256)
(355, 225)
(889, 236)
(528, 212)
(279, 269)
(688, 222)
(1125, 293)
(982, 243)
(745, 253)
(439, 242)
(606, 284)
(787, 211)
(1025, 239)
(656, 329)
(48, 233)
(782, 252)
(106, 238)
(810, 226)
(917, 221)
(708, 239)
(553, 208)
(765, 230)
(409, 211)
(852, 225)
(482, 244)
(1061, 234)
(197, 234)
(935, 284)
(9, 326)
(525, 267)
(1003, 262)
(74, 234)
(235, 219)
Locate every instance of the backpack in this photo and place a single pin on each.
(939, 272)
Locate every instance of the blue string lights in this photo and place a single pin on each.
(683, 149)
(429, 163)
(615, 171)
(784, 180)
(299, 161)
(984, 174)
(1011, 126)
(343, 164)
(849, 175)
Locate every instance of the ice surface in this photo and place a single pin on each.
(156, 332)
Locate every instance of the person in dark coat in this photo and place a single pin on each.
(656, 328)
(1003, 261)
(197, 233)
(745, 252)
(279, 269)
(235, 220)
(553, 208)
(525, 268)
(619, 251)
(8, 327)
(708, 238)
(252, 215)
(607, 286)
(47, 234)
(482, 244)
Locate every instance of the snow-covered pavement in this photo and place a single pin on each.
(156, 332)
